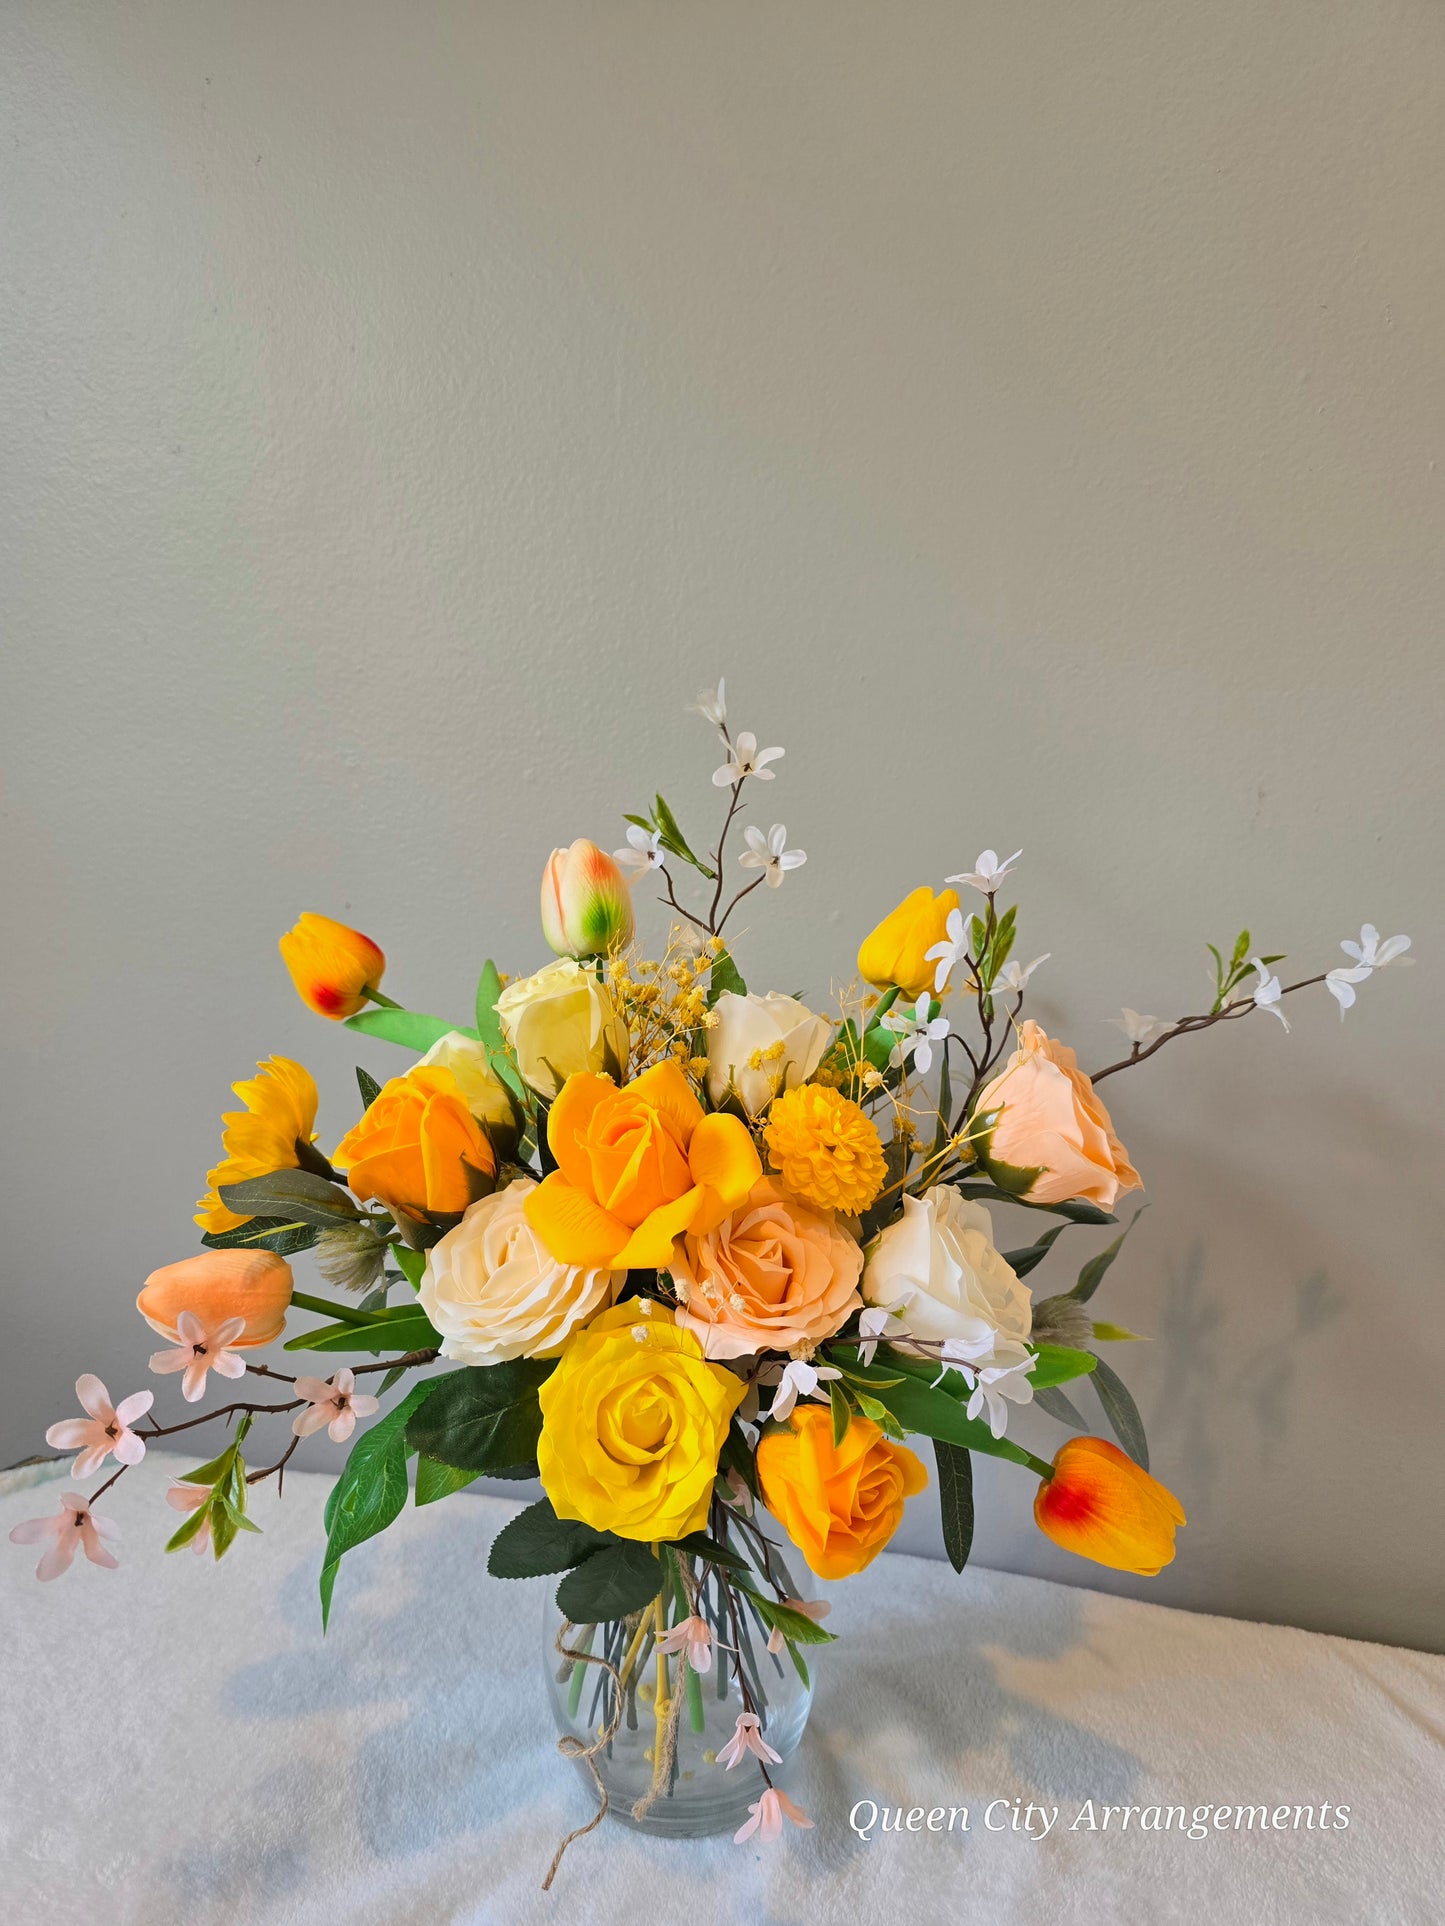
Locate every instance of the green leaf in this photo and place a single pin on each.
(189, 1527)
(489, 1029)
(1032, 1255)
(618, 1579)
(881, 1416)
(674, 841)
(724, 977)
(945, 1109)
(411, 1264)
(403, 1327)
(538, 1541)
(938, 1414)
(796, 1627)
(297, 1195)
(371, 1490)
(955, 1500)
(1122, 1412)
(406, 1027)
(217, 1468)
(1074, 1208)
(284, 1235)
(1117, 1334)
(368, 1086)
(483, 1416)
(701, 1546)
(842, 1416)
(1052, 1402)
(1092, 1275)
(434, 1481)
(1057, 1363)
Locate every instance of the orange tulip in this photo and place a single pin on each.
(333, 967)
(840, 1504)
(636, 1168)
(254, 1285)
(1103, 1506)
(896, 952)
(419, 1149)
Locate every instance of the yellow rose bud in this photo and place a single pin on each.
(333, 967)
(896, 951)
(216, 1286)
(633, 1420)
(586, 904)
(418, 1149)
(560, 1021)
(840, 1504)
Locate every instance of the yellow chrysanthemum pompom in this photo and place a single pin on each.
(824, 1148)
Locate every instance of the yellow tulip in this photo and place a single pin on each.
(895, 951)
(1103, 1506)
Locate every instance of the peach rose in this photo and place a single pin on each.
(773, 1276)
(1043, 1133)
(217, 1286)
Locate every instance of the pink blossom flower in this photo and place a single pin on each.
(106, 1430)
(747, 1737)
(189, 1498)
(73, 1528)
(335, 1404)
(816, 1609)
(202, 1349)
(694, 1636)
(768, 1815)
(738, 1495)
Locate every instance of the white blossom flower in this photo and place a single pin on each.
(746, 760)
(643, 853)
(1140, 1030)
(988, 872)
(799, 1380)
(1015, 975)
(916, 1035)
(1268, 992)
(1372, 954)
(874, 1322)
(1341, 985)
(768, 854)
(996, 1386)
(954, 949)
(712, 705)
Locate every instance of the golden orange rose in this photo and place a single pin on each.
(773, 1276)
(1103, 1506)
(419, 1149)
(332, 966)
(896, 952)
(1047, 1120)
(840, 1504)
(217, 1285)
(637, 1167)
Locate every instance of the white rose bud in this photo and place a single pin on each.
(761, 1046)
(559, 1021)
(483, 1092)
(937, 1268)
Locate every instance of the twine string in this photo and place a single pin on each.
(572, 1748)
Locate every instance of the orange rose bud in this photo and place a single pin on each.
(896, 952)
(333, 967)
(254, 1285)
(419, 1149)
(1103, 1506)
(840, 1504)
(586, 903)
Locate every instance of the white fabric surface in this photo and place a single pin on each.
(181, 1744)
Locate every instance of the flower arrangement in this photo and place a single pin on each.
(696, 1257)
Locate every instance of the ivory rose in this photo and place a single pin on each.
(936, 1267)
(775, 1275)
(559, 1021)
(840, 1504)
(1042, 1132)
(761, 1045)
(494, 1290)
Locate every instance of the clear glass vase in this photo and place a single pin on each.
(694, 1795)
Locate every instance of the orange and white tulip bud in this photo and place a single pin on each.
(1103, 1506)
(334, 968)
(586, 904)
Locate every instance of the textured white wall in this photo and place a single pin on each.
(1034, 410)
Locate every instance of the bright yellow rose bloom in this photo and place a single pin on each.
(636, 1168)
(1103, 1506)
(419, 1149)
(633, 1419)
(332, 965)
(896, 951)
(825, 1149)
(280, 1113)
(840, 1504)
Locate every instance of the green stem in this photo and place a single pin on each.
(324, 1307)
(385, 1001)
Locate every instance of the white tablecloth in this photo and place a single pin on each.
(181, 1744)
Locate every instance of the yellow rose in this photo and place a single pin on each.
(840, 1504)
(418, 1149)
(560, 1021)
(896, 951)
(633, 1419)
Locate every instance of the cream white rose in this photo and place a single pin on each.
(938, 1271)
(761, 1046)
(483, 1092)
(494, 1290)
(560, 1021)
